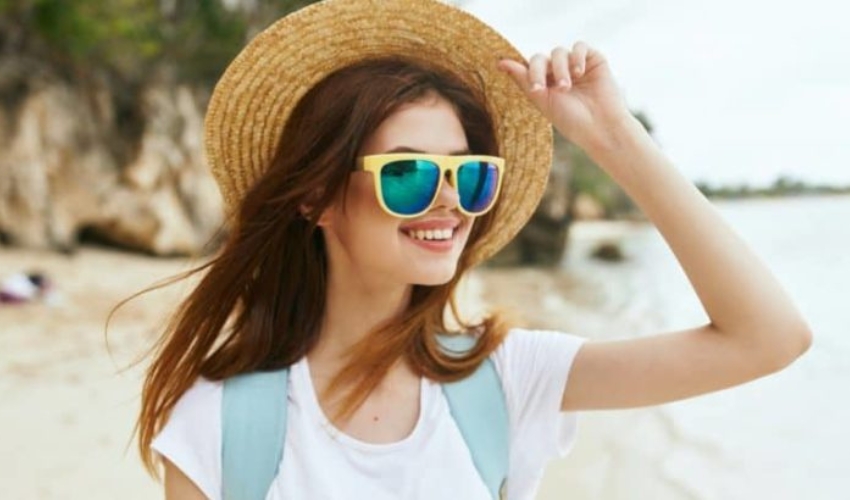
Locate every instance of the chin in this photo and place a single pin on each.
(434, 277)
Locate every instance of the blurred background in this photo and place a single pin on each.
(104, 191)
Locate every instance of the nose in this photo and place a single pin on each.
(448, 197)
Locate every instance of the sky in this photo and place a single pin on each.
(738, 91)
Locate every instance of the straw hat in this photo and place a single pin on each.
(260, 88)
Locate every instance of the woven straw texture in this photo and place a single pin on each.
(260, 88)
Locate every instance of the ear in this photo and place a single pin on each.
(325, 217)
(305, 210)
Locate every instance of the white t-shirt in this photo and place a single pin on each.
(321, 463)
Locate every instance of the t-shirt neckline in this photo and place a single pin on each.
(334, 434)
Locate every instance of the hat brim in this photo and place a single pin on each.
(260, 88)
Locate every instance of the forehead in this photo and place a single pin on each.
(430, 125)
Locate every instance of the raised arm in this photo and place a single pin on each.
(754, 327)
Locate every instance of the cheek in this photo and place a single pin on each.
(365, 220)
(363, 204)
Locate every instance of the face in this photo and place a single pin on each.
(379, 247)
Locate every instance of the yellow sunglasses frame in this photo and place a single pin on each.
(450, 163)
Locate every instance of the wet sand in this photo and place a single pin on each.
(69, 405)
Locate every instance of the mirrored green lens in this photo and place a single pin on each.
(477, 183)
(409, 186)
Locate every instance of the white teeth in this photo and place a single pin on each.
(431, 234)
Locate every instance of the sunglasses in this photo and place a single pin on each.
(407, 184)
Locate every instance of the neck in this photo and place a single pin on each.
(353, 309)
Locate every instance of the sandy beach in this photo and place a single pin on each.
(70, 399)
(69, 404)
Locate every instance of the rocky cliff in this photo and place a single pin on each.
(80, 157)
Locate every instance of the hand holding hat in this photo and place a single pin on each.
(575, 90)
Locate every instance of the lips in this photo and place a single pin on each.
(432, 230)
(432, 224)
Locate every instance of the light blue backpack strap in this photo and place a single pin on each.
(253, 416)
(478, 406)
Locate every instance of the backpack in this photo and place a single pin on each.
(254, 425)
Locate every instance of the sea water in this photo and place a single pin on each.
(784, 436)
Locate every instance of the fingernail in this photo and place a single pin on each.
(563, 83)
(536, 87)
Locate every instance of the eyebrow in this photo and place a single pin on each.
(407, 149)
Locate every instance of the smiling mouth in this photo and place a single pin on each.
(431, 234)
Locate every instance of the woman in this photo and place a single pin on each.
(370, 153)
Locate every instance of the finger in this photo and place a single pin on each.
(517, 71)
(578, 59)
(560, 68)
(594, 58)
(537, 72)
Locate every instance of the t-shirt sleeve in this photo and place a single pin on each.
(534, 366)
(191, 439)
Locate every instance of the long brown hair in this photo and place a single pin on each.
(261, 302)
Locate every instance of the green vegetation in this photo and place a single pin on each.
(588, 178)
(783, 186)
(193, 38)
